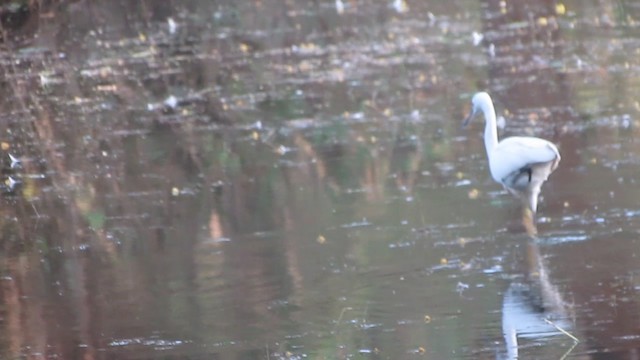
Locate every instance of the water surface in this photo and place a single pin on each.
(289, 180)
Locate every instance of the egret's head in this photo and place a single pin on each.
(480, 101)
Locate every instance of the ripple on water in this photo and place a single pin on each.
(155, 343)
(355, 224)
(562, 237)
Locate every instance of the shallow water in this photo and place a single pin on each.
(289, 180)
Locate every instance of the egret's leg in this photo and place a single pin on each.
(528, 221)
(531, 196)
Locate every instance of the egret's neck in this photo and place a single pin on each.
(490, 130)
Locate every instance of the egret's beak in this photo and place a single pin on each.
(471, 115)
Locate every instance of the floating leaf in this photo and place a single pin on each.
(29, 190)
(473, 194)
(281, 150)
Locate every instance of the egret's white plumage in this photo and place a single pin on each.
(520, 164)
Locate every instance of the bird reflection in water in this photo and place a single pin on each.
(534, 308)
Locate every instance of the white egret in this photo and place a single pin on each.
(520, 164)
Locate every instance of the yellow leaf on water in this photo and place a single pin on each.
(305, 66)
(560, 9)
(542, 21)
(308, 46)
(5, 145)
(107, 88)
(444, 261)
(281, 150)
(473, 194)
(29, 190)
(255, 135)
(321, 239)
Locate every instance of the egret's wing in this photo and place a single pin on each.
(515, 153)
